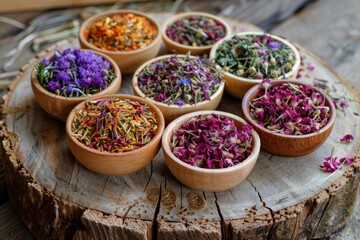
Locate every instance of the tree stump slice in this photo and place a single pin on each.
(283, 198)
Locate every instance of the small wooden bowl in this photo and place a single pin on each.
(211, 180)
(59, 107)
(289, 145)
(173, 111)
(237, 86)
(116, 163)
(171, 45)
(128, 61)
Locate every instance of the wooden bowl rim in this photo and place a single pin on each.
(101, 15)
(293, 71)
(169, 131)
(187, 14)
(253, 90)
(114, 82)
(136, 89)
(158, 115)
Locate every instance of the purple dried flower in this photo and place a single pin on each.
(53, 86)
(76, 73)
(63, 76)
(274, 45)
(45, 61)
(184, 81)
(212, 141)
(347, 138)
(179, 103)
(160, 97)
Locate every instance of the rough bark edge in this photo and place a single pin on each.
(202, 229)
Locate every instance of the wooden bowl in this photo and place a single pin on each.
(59, 107)
(172, 45)
(237, 86)
(116, 163)
(173, 111)
(128, 61)
(289, 145)
(208, 179)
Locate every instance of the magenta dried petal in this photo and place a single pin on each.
(331, 164)
(216, 139)
(348, 159)
(311, 67)
(289, 108)
(347, 138)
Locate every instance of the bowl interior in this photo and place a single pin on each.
(187, 15)
(177, 123)
(230, 76)
(102, 15)
(113, 86)
(158, 115)
(252, 93)
(140, 93)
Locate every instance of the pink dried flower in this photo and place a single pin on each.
(344, 104)
(311, 68)
(331, 164)
(348, 159)
(212, 141)
(289, 108)
(347, 138)
(262, 52)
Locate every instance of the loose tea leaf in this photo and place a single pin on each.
(180, 80)
(196, 31)
(212, 141)
(114, 125)
(121, 32)
(255, 57)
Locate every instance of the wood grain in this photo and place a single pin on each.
(58, 198)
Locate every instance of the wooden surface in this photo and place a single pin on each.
(330, 23)
(152, 203)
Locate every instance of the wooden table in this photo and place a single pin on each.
(324, 199)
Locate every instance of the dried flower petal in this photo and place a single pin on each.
(348, 159)
(331, 164)
(310, 67)
(289, 108)
(212, 141)
(347, 138)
